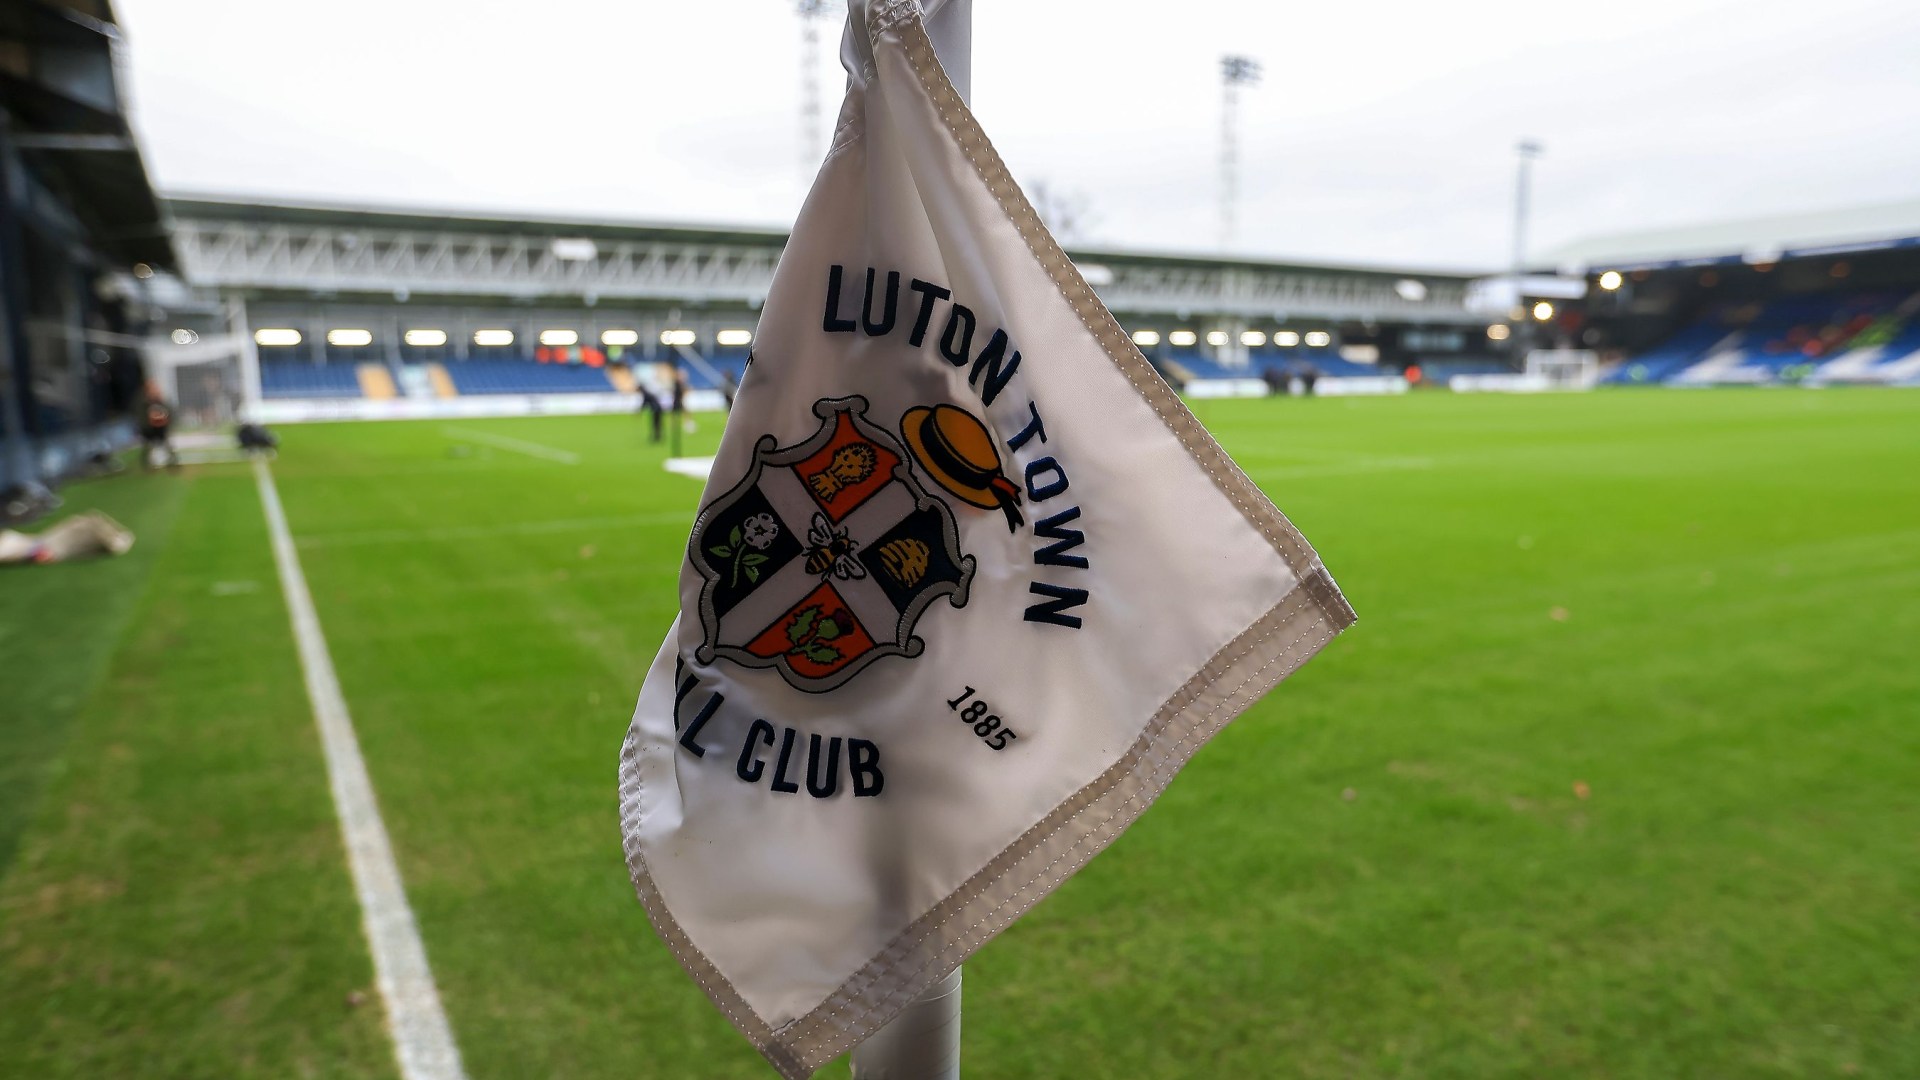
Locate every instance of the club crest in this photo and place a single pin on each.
(824, 556)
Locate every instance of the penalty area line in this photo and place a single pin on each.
(422, 1039)
(507, 442)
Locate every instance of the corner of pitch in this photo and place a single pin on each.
(784, 758)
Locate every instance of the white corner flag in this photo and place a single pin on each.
(968, 585)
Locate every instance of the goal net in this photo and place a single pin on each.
(1565, 369)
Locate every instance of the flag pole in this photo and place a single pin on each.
(922, 1043)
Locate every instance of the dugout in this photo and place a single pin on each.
(80, 233)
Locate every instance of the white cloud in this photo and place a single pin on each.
(1383, 131)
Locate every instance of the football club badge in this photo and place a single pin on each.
(823, 557)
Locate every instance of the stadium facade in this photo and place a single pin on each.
(297, 311)
(81, 233)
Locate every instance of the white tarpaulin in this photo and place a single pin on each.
(967, 587)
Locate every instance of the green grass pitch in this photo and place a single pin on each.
(1618, 775)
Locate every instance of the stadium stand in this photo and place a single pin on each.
(300, 379)
(1669, 358)
(1198, 365)
(525, 377)
(1832, 337)
(731, 362)
(1886, 351)
(1437, 372)
(1323, 361)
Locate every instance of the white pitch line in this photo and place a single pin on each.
(422, 1039)
(504, 442)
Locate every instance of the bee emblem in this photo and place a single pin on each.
(831, 551)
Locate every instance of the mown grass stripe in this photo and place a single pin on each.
(422, 1039)
(507, 442)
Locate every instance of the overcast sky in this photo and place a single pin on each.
(1383, 132)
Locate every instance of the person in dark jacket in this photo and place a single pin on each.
(156, 426)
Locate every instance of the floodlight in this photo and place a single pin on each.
(1411, 290)
(350, 339)
(1610, 280)
(493, 337)
(1542, 311)
(619, 337)
(559, 337)
(1182, 338)
(1498, 332)
(1318, 339)
(1216, 337)
(734, 337)
(184, 336)
(1146, 337)
(1286, 339)
(276, 336)
(676, 337)
(1253, 339)
(574, 249)
(428, 338)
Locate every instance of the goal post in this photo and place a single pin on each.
(1565, 369)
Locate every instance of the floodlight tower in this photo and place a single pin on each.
(1235, 72)
(811, 13)
(1528, 150)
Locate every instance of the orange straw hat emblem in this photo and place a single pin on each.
(957, 451)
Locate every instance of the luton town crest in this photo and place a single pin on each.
(824, 556)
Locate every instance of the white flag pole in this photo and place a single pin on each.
(923, 1042)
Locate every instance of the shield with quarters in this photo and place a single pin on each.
(825, 555)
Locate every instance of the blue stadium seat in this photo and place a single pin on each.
(1784, 339)
(728, 360)
(526, 377)
(301, 379)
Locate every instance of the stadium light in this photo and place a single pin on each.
(620, 337)
(676, 337)
(574, 249)
(1253, 339)
(1146, 337)
(493, 337)
(1411, 290)
(734, 337)
(1542, 311)
(1286, 339)
(184, 336)
(1182, 338)
(350, 339)
(425, 338)
(1610, 280)
(276, 336)
(559, 337)
(1498, 332)
(1216, 337)
(1319, 339)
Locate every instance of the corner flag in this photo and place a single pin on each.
(968, 585)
